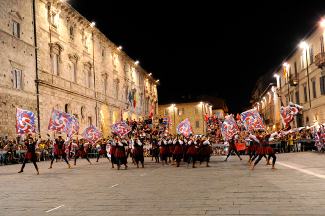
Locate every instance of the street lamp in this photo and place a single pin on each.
(304, 45)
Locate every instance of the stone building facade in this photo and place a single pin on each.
(300, 79)
(195, 111)
(77, 68)
(17, 62)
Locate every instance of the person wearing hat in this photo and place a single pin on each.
(264, 147)
(59, 145)
(81, 151)
(232, 146)
(31, 145)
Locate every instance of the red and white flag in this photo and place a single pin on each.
(170, 122)
(151, 111)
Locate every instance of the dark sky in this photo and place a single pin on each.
(204, 47)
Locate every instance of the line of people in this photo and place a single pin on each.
(175, 149)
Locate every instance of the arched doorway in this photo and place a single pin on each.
(105, 121)
(116, 115)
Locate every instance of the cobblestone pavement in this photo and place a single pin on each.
(226, 188)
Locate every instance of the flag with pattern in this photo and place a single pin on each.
(229, 127)
(92, 134)
(63, 122)
(252, 119)
(25, 122)
(288, 113)
(185, 128)
(120, 128)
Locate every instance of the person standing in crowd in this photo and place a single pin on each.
(31, 145)
(81, 151)
(59, 145)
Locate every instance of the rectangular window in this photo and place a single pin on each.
(305, 94)
(297, 97)
(87, 79)
(196, 110)
(89, 121)
(311, 55)
(17, 83)
(322, 85)
(197, 124)
(15, 29)
(166, 112)
(55, 64)
(322, 44)
(302, 60)
(183, 111)
(73, 73)
(313, 83)
(296, 71)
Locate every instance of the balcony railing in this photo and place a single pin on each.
(293, 80)
(320, 60)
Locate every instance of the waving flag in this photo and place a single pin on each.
(25, 122)
(252, 119)
(288, 113)
(185, 128)
(92, 134)
(229, 127)
(120, 128)
(63, 122)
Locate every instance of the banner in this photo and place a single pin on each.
(25, 122)
(252, 120)
(63, 122)
(120, 128)
(185, 128)
(228, 127)
(288, 113)
(317, 139)
(240, 146)
(92, 134)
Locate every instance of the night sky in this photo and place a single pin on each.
(203, 47)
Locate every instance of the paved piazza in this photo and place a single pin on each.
(227, 188)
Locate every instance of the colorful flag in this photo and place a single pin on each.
(25, 122)
(170, 122)
(166, 131)
(185, 128)
(135, 99)
(252, 119)
(317, 139)
(288, 113)
(120, 128)
(151, 111)
(229, 127)
(92, 134)
(63, 122)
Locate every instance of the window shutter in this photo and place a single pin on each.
(321, 81)
(18, 79)
(55, 64)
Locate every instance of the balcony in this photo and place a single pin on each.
(320, 60)
(293, 80)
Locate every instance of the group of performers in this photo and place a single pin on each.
(174, 149)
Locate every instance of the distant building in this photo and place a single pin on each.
(299, 79)
(178, 112)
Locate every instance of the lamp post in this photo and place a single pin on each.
(305, 46)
